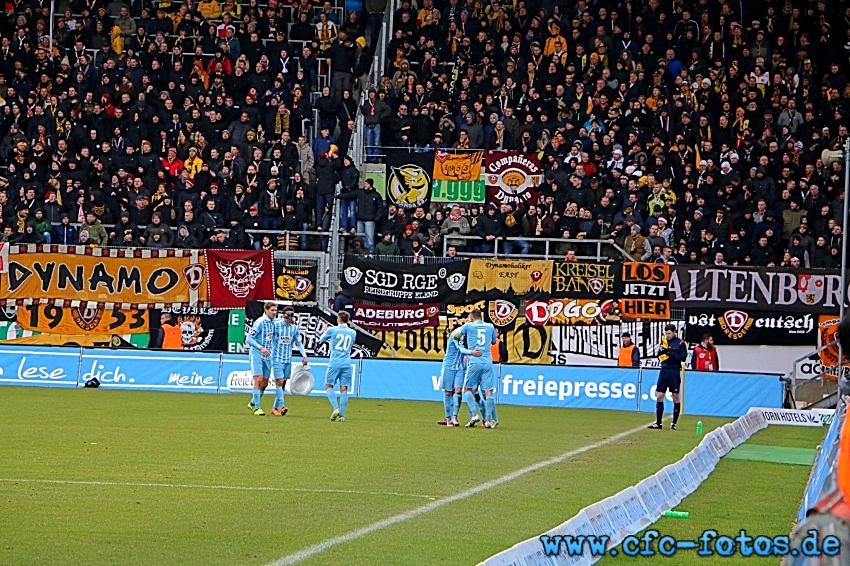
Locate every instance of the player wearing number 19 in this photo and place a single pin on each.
(260, 338)
(341, 340)
(479, 336)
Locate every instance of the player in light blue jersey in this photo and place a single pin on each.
(286, 339)
(341, 340)
(479, 336)
(451, 376)
(260, 338)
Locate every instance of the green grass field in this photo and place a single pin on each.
(109, 477)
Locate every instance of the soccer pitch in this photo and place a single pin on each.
(129, 477)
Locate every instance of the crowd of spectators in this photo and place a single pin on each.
(692, 132)
(173, 124)
(699, 132)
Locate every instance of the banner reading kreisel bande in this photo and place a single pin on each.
(731, 327)
(390, 318)
(129, 278)
(239, 276)
(763, 289)
(409, 178)
(513, 177)
(373, 280)
(586, 280)
(508, 279)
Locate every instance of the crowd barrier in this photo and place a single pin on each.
(722, 394)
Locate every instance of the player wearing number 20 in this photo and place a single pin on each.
(480, 336)
(341, 340)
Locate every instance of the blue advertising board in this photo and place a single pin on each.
(396, 379)
(236, 374)
(195, 372)
(716, 393)
(39, 366)
(569, 387)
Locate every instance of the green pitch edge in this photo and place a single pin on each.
(775, 454)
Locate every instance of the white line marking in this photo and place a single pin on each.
(219, 487)
(311, 551)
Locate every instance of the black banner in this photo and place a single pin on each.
(200, 329)
(580, 280)
(410, 178)
(763, 289)
(295, 283)
(731, 327)
(310, 322)
(382, 281)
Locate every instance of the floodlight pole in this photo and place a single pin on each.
(50, 28)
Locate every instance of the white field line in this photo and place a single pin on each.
(214, 487)
(315, 549)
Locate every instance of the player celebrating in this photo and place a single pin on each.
(451, 376)
(260, 339)
(286, 337)
(673, 353)
(479, 336)
(341, 340)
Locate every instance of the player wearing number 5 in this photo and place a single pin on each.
(341, 340)
(480, 336)
(260, 339)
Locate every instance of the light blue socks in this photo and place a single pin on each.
(343, 403)
(278, 397)
(332, 398)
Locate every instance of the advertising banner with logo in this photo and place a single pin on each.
(645, 294)
(737, 327)
(106, 278)
(457, 177)
(513, 177)
(409, 178)
(50, 319)
(39, 366)
(311, 321)
(412, 317)
(295, 284)
(200, 329)
(759, 289)
(239, 276)
(383, 281)
(572, 312)
(510, 280)
(161, 371)
(584, 280)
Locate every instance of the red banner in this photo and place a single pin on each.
(239, 276)
(390, 319)
(512, 177)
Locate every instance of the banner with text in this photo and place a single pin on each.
(374, 280)
(131, 280)
(645, 294)
(200, 329)
(407, 317)
(737, 327)
(763, 289)
(295, 283)
(572, 312)
(511, 280)
(457, 177)
(585, 280)
(50, 319)
(513, 177)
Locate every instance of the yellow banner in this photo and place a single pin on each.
(526, 344)
(460, 166)
(509, 279)
(51, 319)
(131, 280)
